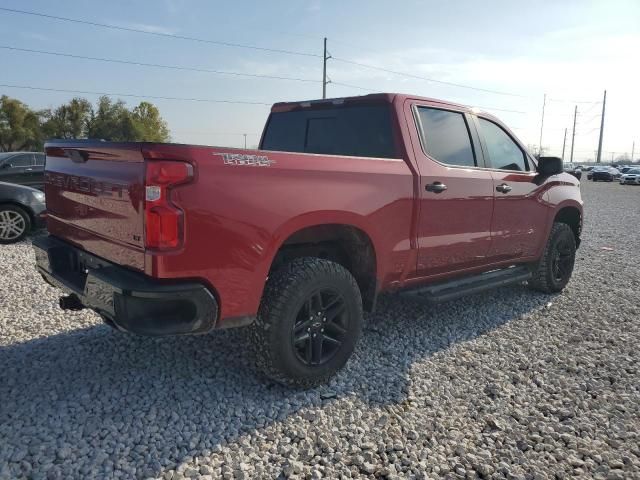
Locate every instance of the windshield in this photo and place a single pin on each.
(635, 171)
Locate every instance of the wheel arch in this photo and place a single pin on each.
(571, 215)
(344, 242)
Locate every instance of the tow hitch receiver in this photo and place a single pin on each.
(70, 302)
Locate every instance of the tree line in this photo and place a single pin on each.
(22, 128)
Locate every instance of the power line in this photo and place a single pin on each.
(564, 100)
(159, 34)
(428, 79)
(133, 95)
(158, 65)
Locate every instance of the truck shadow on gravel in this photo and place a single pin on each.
(93, 400)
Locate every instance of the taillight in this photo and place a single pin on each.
(164, 224)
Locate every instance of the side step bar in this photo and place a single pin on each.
(449, 290)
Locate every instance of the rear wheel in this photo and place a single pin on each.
(556, 265)
(15, 223)
(309, 322)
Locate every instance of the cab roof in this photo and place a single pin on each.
(372, 98)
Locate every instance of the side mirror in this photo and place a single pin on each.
(548, 166)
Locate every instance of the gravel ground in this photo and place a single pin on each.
(509, 384)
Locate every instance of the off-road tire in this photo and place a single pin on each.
(15, 210)
(544, 278)
(286, 291)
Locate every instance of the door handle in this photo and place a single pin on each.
(28, 169)
(504, 188)
(436, 187)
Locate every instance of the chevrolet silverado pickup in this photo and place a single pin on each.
(345, 198)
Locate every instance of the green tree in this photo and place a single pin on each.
(150, 126)
(70, 120)
(20, 127)
(112, 121)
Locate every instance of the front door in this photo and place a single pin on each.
(456, 194)
(520, 215)
(14, 169)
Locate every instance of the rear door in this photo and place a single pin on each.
(520, 215)
(456, 193)
(36, 174)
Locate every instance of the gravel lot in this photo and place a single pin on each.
(508, 384)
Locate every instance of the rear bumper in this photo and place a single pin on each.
(130, 300)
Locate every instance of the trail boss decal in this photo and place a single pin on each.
(249, 160)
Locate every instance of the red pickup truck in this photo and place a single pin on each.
(344, 199)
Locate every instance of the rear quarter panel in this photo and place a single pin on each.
(237, 216)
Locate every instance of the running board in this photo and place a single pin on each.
(445, 291)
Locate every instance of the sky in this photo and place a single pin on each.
(519, 50)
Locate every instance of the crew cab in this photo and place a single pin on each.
(345, 198)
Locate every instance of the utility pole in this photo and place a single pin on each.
(544, 102)
(564, 143)
(604, 103)
(245, 140)
(573, 134)
(633, 150)
(325, 57)
(612, 156)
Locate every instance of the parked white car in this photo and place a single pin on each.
(632, 177)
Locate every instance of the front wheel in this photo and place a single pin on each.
(309, 322)
(554, 270)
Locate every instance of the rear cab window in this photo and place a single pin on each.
(349, 130)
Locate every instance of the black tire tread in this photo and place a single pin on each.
(541, 280)
(280, 291)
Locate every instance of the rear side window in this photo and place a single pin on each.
(360, 131)
(39, 159)
(445, 136)
(504, 153)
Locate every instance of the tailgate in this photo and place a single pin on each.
(95, 198)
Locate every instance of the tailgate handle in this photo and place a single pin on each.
(77, 156)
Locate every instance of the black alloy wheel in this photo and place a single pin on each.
(320, 327)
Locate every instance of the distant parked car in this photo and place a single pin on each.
(576, 172)
(625, 169)
(605, 173)
(22, 210)
(22, 168)
(631, 177)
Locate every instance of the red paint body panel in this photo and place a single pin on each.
(236, 217)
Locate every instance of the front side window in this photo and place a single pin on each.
(445, 137)
(39, 159)
(504, 153)
(20, 161)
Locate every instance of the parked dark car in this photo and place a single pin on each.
(576, 172)
(22, 210)
(22, 168)
(607, 174)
